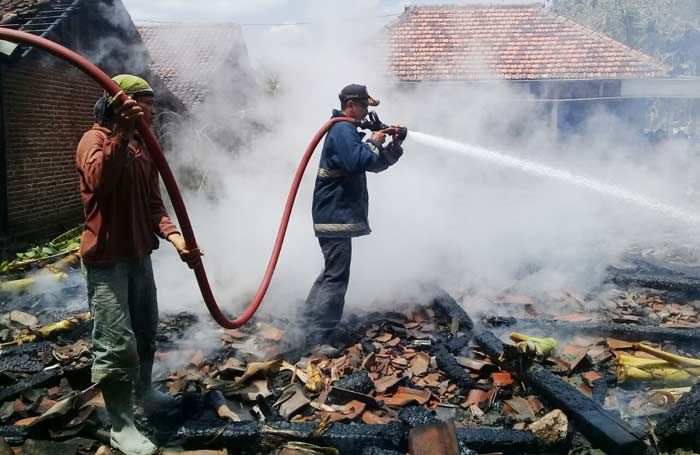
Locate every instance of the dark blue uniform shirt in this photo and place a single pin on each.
(341, 201)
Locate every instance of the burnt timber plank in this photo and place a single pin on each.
(602, 428)
(627, 332)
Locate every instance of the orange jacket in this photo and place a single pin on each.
(121, 197)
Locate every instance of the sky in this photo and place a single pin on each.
(257, 11)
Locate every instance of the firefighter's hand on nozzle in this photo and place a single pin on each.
(188, 256)
(127, 115)
(379, 136)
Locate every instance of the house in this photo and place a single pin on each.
(207, 70)
(571, 67)
(46, 105)
(195, 59)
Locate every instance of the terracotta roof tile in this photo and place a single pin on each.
(11, 10)
(471, 42)
(187, 56)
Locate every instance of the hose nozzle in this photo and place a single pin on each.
(400, 132)
(372, 123)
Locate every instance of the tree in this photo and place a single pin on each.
(666, 29)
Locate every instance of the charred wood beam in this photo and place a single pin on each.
(457, 344)
(449, 307)
(627, 332)
(348, 438)
(14, 435)
(249, 437)
(30, 382)
(661, 281)
(415, 416)
(376, 451)
(603, 429)
(208, 433)
(453, 370)
(26, 358)
(489, 343)
(680, 426)
(32, 348)
(359, 382)
(486, 440)
(599, 391)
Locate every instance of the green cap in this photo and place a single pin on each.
(132, 85)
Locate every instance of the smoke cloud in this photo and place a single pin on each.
(437, 217)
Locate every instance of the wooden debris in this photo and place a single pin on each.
(405, 396)
(433, 439)
(599, 426)
(551, 429)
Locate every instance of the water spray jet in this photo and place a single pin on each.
(561, 175)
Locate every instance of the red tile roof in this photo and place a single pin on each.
(519, 42)
(188, 56)
(11, 10)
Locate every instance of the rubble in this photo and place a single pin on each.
(535, 346)
(551, 429)
(395, 379)
(600, 426)
(452, 369)
(30, 382)
(628, 332)
(433, 439)
(680, 426)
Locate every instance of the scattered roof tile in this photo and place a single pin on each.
(517, 42)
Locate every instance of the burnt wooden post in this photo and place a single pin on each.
(605, 430)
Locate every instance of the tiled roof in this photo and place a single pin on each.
(11, 10)
(188, 56)
(519, 42)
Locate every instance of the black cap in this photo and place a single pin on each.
(357, 92)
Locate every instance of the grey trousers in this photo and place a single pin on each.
(124, 305)
(325, 302)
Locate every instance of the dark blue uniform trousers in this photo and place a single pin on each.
(324, 305)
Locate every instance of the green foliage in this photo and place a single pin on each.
(66, 243)
(666, 29)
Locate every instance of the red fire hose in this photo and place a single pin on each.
(171, 186)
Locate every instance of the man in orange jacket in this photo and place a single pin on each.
(124, 216)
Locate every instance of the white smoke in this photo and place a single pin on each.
(437, 217)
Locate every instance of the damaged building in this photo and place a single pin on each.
(205, 67)
(47, 105)
(189, 57)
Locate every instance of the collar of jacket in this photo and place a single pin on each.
(107, 131)
(98, 127)
(337, 113)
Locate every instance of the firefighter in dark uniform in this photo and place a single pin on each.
(340, 206)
